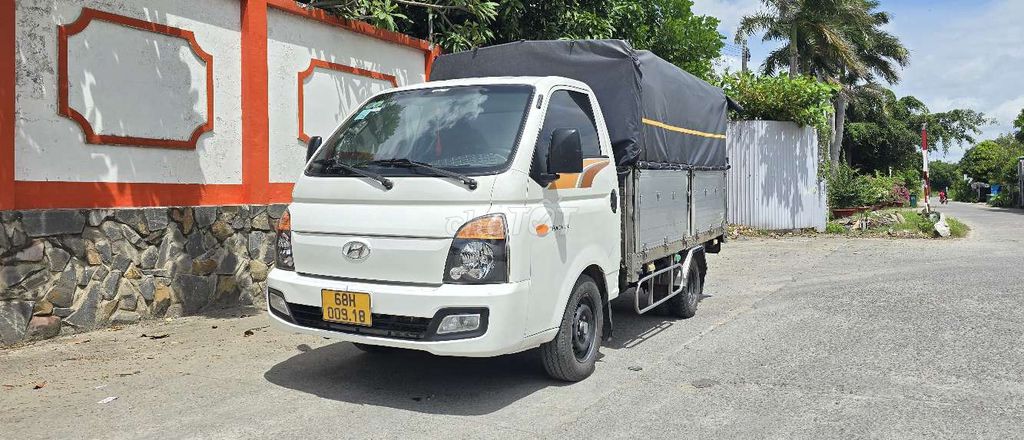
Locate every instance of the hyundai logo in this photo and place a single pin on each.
(356, 250)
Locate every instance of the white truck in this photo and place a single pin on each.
(504, 204)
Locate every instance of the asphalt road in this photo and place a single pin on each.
(803, 338)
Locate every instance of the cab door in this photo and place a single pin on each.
(573, 219)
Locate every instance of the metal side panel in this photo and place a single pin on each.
(709, 201)
(662, 216)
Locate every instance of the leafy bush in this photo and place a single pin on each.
(847, 188)
(961, 191)
(1004, 199)
(911, 179)
(803, 100)
(879, 190)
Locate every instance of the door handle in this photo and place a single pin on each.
(615, 201)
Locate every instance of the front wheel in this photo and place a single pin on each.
(572, 355)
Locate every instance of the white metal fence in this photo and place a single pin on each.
(773, 181)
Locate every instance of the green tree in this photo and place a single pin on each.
(668, 28)
(993, 161)
(885, 131)
(1019, 125)
(840, 41)
(943, 175)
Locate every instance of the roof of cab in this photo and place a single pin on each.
(535, 81)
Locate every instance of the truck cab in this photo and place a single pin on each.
(470, 217)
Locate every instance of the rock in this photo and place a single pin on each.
(33, 253)
(261, 246)
(133, 237)
(58, 259)
(942, 228)
(204, 267)
(106, 252)
(120, 263)
(172, 244)
(100, 273)
(227, 289)
(156, 218)
(105, 311)
(222, 230)
(97, 216)
(174, 311)
(42, 308)
(88, 273)
(155, 238)
(12, 275)
(261, 222)
(147, 288)
(185, 218)
(209, 241)
(276, 211)
(63, 312)
(205, 216)
(45, 223)
(14, 318)
(42, 327)
(133, 273)
(241, 221)
(194, 245)
(161, 299)
(76, 245)
(17, 235)
(192, 291)
(258, 270)
(84, 316)
(238, 245)
(37, 284)
(110, 284)
(114, 230)
(62, 294)
(133, 218)
(92, 256)
(124, 317)
(228, 213)
(149, 257)
(127, 295)
(5, 243)
(229, 263)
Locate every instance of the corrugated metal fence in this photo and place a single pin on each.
(773, 182)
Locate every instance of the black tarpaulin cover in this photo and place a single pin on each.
(657, 114)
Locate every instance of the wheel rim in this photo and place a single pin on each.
(584, 330)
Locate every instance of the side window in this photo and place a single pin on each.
(567, 109)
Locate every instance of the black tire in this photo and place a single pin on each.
(684, 305)
(375, 349)
(572, 355)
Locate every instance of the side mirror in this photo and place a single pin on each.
(566, 153)
(312, 146)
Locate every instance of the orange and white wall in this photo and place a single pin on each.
(131, 103)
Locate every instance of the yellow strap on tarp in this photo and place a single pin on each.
(682, 130)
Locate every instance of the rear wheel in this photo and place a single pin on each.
(572, 355)
(684, 305)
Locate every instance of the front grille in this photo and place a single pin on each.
(388, 326)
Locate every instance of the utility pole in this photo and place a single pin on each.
(745, 56)
(924, 156)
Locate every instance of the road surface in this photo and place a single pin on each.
(804, 338)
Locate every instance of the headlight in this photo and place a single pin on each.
(479, 253)
(283, 244)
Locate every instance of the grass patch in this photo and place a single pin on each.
(916, 222)
(957, 228)
(835, 228)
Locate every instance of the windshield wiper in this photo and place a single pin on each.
(466, 180)
(332, 163)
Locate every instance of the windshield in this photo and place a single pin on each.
(471, 130)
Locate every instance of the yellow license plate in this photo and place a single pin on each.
(347, 307)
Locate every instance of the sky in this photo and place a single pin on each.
(963, 54)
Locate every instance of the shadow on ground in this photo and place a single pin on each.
(419, 381)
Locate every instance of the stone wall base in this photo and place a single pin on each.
(69, 271)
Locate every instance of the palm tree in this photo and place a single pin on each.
(838, 41)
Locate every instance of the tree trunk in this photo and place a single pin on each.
(840, 124)
(794, 58)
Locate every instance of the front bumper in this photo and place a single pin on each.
(404, 307)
